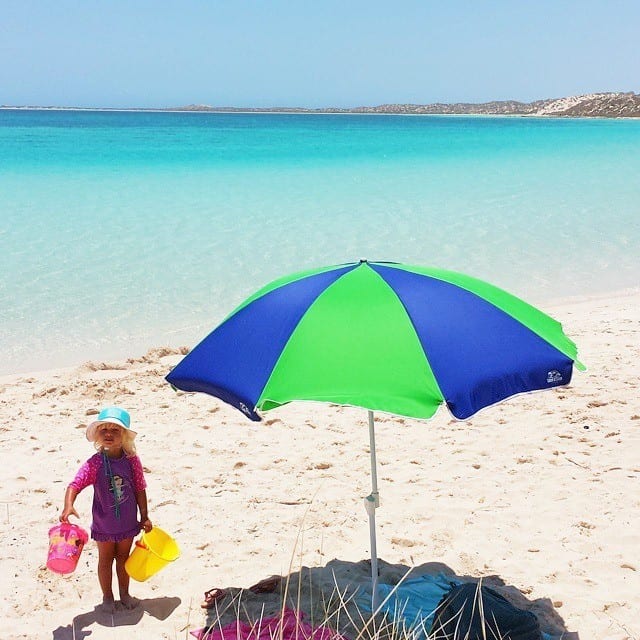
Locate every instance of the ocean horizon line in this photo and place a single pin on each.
(604, 105)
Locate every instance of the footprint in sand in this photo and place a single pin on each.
(404, 542)
(441, 541)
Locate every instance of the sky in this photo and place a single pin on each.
(313, 53)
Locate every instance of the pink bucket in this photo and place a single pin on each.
(66, 541)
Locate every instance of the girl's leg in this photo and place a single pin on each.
(122, 549)
(106, 555)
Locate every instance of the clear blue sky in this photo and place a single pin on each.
(129, 53)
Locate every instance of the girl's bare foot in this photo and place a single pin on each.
(108, 605)
(129, 602)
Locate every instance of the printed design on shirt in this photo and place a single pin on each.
(117, 489)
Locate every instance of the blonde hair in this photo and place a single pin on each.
(128, 444)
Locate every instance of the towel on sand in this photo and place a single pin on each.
(288, 626)
(413, 601)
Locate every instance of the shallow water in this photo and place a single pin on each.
(125, 230)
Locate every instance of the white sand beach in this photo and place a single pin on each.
(539, 495)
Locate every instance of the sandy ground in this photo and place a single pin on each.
(540, 495)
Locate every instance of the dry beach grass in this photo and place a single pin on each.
(539, 496)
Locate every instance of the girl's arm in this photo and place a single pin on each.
(86, 475)
(141, 499)
(69, 499)
(140, 486)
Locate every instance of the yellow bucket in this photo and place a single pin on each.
(154, 550)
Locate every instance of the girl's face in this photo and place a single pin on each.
(110, 436)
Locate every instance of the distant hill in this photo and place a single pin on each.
(591, 105)
(600, 105)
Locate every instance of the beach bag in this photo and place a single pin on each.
(461, 616)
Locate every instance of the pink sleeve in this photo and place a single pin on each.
(87, 474)
(139, 483)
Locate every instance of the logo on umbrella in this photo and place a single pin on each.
(554, 376)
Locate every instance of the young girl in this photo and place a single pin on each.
(119, 491)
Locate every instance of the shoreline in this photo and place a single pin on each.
(322, 112)
(554, 307)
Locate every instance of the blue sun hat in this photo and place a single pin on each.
(113, 415)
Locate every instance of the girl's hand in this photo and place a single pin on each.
(68, 511)
(146, 525)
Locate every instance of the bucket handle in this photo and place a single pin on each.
(70, 531)
(141, 543)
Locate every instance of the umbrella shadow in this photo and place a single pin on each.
(79, 627)
(334, 595)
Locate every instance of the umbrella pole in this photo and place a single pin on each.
(371, 503)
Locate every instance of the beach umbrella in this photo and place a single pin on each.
(383, 336)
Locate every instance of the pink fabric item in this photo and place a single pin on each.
(88, 473)
(289, 626)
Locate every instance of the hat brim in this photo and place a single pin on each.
(92, 429)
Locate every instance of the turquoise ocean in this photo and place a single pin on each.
(122, 231)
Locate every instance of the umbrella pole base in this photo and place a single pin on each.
(371, 502)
